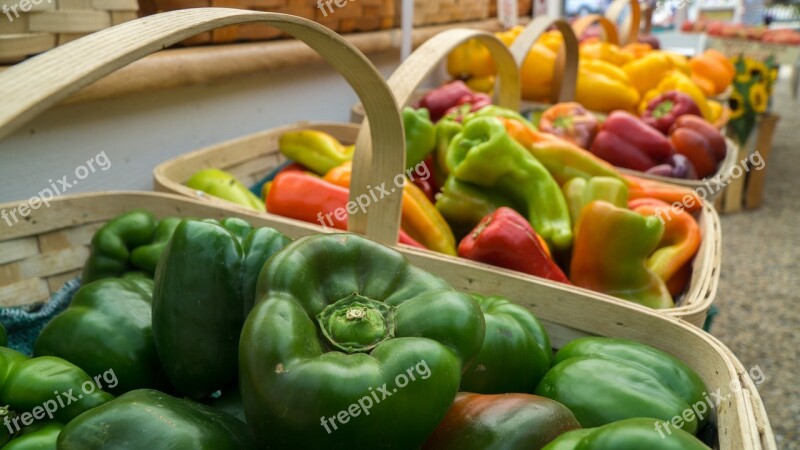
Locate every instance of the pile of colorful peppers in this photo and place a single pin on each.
(220, 335)
(610, 77)
(501, 192)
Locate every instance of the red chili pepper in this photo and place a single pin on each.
(303, 196)
(506, 239)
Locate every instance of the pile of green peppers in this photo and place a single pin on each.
(190, 333)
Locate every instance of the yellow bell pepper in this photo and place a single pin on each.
(420, 219)
(645, 73)
(603, 86)
(605, 52)
(470, 59)
(508, 36)
(536, 74)
(677, 81)
(552, 39)
(679, 62)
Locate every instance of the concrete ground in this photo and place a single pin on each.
(759, 292)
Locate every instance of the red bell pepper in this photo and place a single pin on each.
(664, 110)
(303, 196)
(700, 142)
(571, 122)
(438, 101)
(626, 141)
(506, 239)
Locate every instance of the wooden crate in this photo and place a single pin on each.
(49, 23)
(51, 241)
(747, 191)
(343, 16)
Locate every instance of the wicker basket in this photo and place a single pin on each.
(432, 12)
(524, 8)
(50, 247)
(362, 15)
(49, 23)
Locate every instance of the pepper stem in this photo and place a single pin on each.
(357, 323)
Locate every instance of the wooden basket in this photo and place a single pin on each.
(49, 23)
(524, 8)
(361, 15)
(52, 245)
(433, 12)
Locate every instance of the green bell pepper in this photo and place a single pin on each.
(501, 422)
(579, 192)
(205, 284)
(420, 135)
(221, 184)
(515, 354)
(42, 437)
(463, 204)
(48, 387)
(484, 154)
(113, 243)
(446, 129)
(198, 307)
(629, 434)
(146, 257)
(346, 343)
(146, 418)
(113, 316)
(603, 380)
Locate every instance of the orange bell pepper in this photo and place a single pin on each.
(678, 245)
(712, 71)
(678, 196)
(637, 50)
(420, 218)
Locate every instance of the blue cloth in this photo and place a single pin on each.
(23, 324)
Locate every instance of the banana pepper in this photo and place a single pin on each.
(316, 150)
(220, 184)
(611, 249)
(486, 155)
(420, 218)
(603, 86)
(605, 51)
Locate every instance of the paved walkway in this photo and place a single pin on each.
(759, 292)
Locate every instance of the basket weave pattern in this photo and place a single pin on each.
(428, 12)
(49, 23)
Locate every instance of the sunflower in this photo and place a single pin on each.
(742, 66)
(736, 105)
(759, 98)
(758, 71)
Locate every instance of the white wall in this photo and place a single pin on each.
(137, 132)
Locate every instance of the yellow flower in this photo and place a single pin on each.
(758, 71)
(736, 104)
(744, 76)
(758, 97)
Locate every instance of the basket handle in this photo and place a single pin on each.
(629, 29)
(409, 76)
(565, 77)
(609, 28)
(32, 87)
